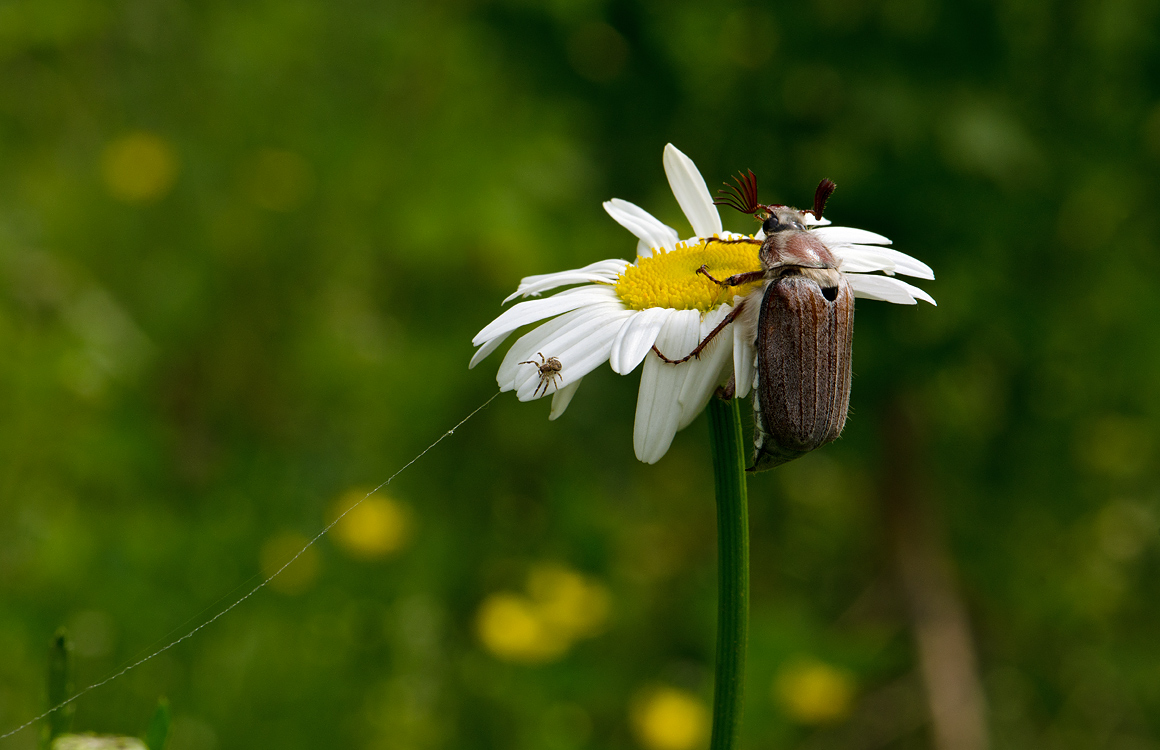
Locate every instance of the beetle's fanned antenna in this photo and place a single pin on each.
(821, 195)
(743, 196)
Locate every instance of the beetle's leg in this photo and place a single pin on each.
(704, 271)
(729, 390)
(734, 280)
(738, 241)
(712, 335)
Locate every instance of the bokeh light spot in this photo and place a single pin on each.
(375, 528)
(667, 718)
(1115, 445)
(510, 627)
(299, 575)
(813, 692)
(139, 167)
(278, 180)
(561, 606)
(1124, 529)
(96, 742)
(568, 602)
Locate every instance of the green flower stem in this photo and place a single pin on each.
(732, 571)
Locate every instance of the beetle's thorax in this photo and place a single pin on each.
(789, 244)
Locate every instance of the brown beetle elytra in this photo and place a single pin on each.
(804, 344)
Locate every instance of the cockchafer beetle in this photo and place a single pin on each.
(804, 329)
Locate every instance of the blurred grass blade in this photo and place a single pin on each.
(158, 726)
(59, 686)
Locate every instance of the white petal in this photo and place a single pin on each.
(529, 346)
(917, 293)
(558, 280)
(810, 221)
(580, 347)
(852, 260)
(744, 351)
(657, 408)
(691, 192)
(867, 258)
(908, 265)
(563, 397)
(708, 370)
(898, 262)
(530, 312)
(605, 270)
(581, 355)
(651, 230)
(886, 289)
(849, 236)
(611, 266)
(487, 349)
(636, 339)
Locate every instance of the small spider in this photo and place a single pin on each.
(549, 372)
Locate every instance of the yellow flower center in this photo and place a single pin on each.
(671, 279)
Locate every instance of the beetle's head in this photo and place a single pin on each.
(781, 219)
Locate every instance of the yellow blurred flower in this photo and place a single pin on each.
(373, 529)
(666, 718)
(560, 607)
(301, 574)
(510, 626)
(813, 692)
(139, 167)
(568, 602)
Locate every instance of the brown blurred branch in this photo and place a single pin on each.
(938, 615)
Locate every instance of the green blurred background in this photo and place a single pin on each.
(244, 248)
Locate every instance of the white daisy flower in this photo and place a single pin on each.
(626, 313)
